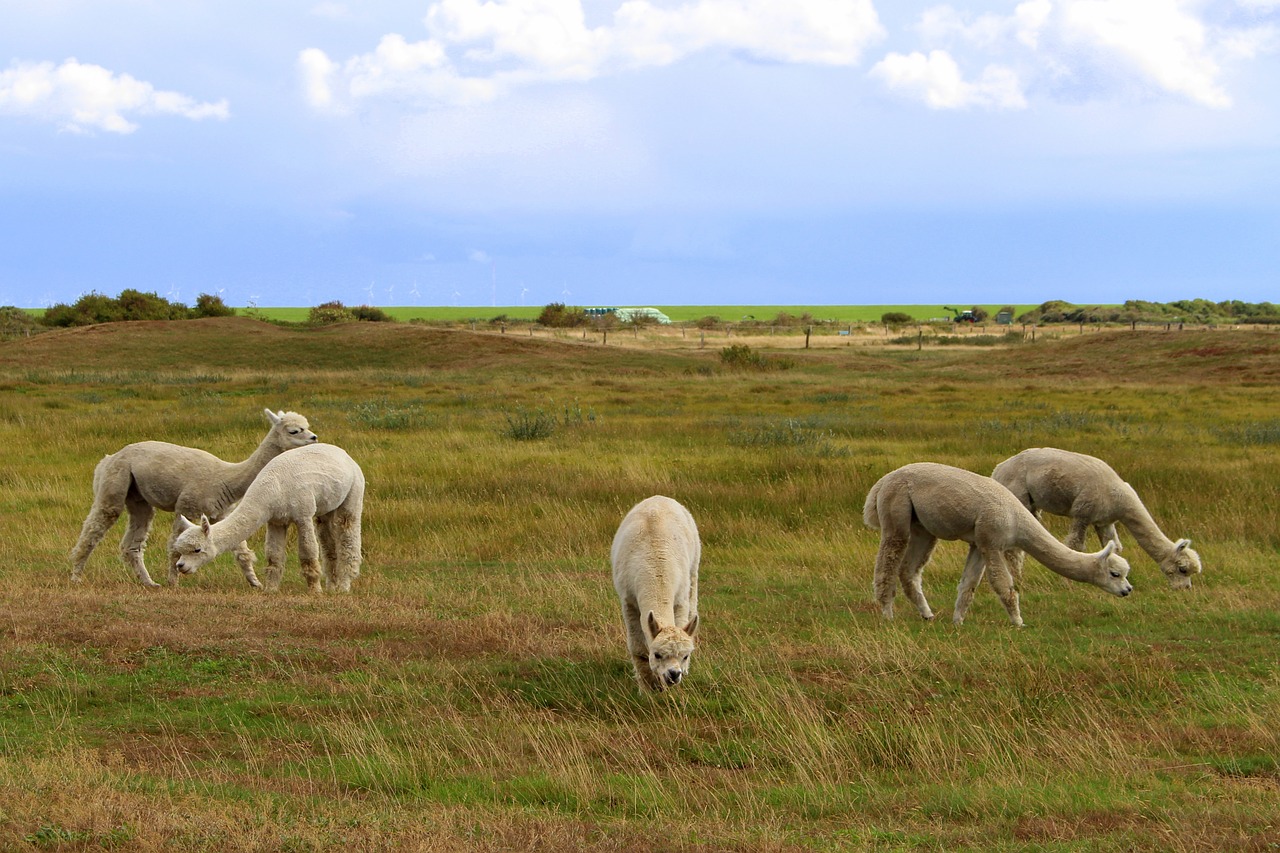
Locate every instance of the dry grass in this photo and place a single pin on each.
(473, 692)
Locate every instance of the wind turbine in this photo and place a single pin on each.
(456, 294)
(414, 292)
(369, 290)
(523, 291)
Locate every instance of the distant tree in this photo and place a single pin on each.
(980, 314)
(896, 318)
(209, 305)
(710, 321)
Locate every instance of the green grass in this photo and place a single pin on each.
(474, 692)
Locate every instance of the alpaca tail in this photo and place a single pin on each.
(870, 515)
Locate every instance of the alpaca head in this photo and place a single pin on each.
(1180, 565)
(669, 650)
(1113, 571)
(290, 430)
(192, 548)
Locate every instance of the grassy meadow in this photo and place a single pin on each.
(474, 692)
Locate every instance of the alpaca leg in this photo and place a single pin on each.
(888, 558)
(1107, 533)
(910, 571)
(326, 531)
(1015, 559)
(245, 559)
(277, 539)
(347, 539)
(309, 554)
(99, 520)
(1075, 536)
(134, 542)
(974, 566)
(1001, 580)
(638, 648)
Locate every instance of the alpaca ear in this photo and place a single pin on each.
(184, 523)
(1181, 545)
(651, 625)
(204, 524)
(272, 416)
(692, 627)
(1108, 550)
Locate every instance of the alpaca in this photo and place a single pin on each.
(150, 475)
(655, 558)
(1087, 490)
(918, 504)
(312, 487)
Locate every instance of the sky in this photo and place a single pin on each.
(646, 152)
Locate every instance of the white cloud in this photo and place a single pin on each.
(478, 49)
(936, 79)
(82, 97)
(1085, 49)
(1160, 39)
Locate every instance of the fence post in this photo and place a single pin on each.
(807, 329)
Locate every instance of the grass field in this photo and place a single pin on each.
(473, 693)
(677, 313)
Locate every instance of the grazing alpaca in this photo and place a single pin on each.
(1088, 491)
(918, 504)
(655, 559)
(313, 487)
(150, 475)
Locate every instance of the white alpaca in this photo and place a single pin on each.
(918, 504)
(1087, 490)
(313, 487)
(655, 558)
(150, 475)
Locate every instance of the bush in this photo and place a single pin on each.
(558, 315)
(710, 321)
(15, 323)
(329, 313)
(371, 314)
(96, 307)
(741, 357)
(896, 318)
(209, 305)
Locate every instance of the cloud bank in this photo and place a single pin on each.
(82, 98)
(477, 51)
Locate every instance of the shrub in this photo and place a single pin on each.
(740, 356)
(558, 315)
(209, 305)
(710, 321)
(371, 314)
(328, 313)
(896, 318)
(97, 307)
(15, 323)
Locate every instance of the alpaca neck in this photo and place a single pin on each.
(1055, 556)
(240, 474)
(244, 521)
(1144, 529)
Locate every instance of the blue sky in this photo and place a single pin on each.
(509, 152)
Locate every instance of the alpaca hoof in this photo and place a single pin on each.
(150, 585)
